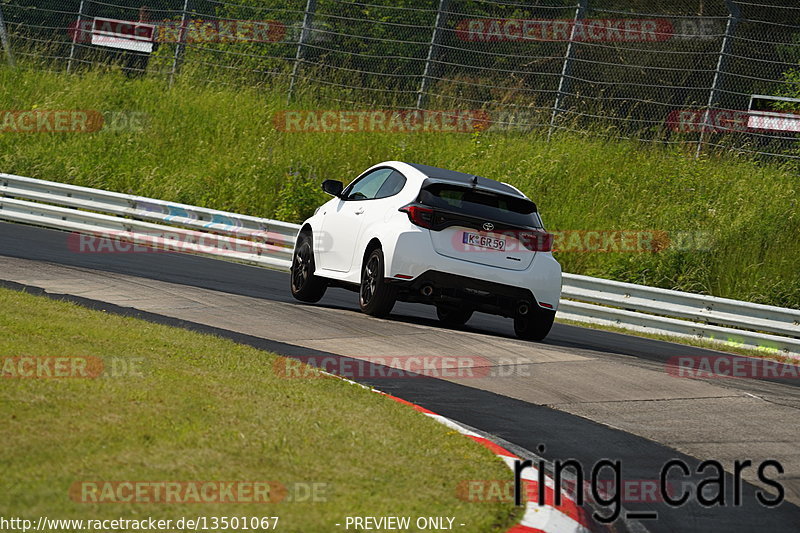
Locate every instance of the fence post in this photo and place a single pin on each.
(433, 51)
(179, 48)
(566, 68)
(77, 35)
(4, 39)
(308, 21)
(713, 95)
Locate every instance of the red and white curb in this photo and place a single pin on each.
(567, 517)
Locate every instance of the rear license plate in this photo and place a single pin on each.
(483, 241)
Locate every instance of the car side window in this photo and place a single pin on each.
(394, 184)
(368, 186)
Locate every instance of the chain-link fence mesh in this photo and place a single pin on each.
(705, 73)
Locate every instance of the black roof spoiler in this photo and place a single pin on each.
(435, 174)
(522, 204)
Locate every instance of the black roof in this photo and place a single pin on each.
(468, 180)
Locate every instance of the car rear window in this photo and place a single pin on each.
(481, 204)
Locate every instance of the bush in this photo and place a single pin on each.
(299, 197)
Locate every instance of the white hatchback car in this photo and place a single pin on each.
(415, 233)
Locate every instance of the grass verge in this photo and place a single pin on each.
(195, 407)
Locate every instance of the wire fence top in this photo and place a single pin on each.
(719, 74)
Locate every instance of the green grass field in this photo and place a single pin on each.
(199, 408)
(216, 146)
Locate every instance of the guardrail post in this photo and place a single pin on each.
(566, 67)
(713, 95)
(180, 47)
(77, 35)
(308, 20)
(4, 39)
(433, 50)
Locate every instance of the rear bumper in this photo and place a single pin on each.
(460, 291)
(414, 263)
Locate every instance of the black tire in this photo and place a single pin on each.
(306, 287)
(535, 325)
(453, 316)
(375, 296)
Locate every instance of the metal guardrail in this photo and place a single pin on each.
(662, 311)
(266, 242)
(146, 221)
(684, 305)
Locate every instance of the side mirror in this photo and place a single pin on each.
(333, 187)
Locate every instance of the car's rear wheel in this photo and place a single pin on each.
(453, 316)
(306, 287)
(375, 296)
(535, 325)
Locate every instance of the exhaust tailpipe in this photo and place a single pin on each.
(523, 309)
(427, 290)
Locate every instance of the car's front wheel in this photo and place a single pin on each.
(375, 296)
(306, 287)
(452, 316)
(535, 325)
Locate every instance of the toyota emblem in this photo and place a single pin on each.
(488, 226)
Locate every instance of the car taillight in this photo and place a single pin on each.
(421, 216)
(536, 240)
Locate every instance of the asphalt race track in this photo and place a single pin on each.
(583, 394)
